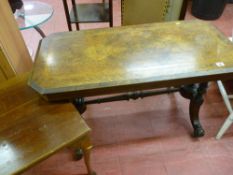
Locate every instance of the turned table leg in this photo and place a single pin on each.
(80, 105)
(195, 94)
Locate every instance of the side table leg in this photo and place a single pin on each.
(79, 104)
(39, 31)
(86, 146)
(195, 93)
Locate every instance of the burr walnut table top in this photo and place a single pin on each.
(101, 61)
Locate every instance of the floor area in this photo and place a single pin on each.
(150, 136)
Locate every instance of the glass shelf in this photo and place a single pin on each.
(32, 14)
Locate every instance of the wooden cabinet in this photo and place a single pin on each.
(14, 56)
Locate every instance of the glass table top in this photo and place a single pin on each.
(32, 14)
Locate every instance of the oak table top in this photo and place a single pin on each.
(101, 61)
(31, 129)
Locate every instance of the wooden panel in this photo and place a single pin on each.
(12, 42)
(31, 129)
(2, 76)
(143, 11)
(131, 58)
(5, 66)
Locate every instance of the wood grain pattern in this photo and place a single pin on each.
(2, 76)
(12, 42)
(5, 68)
(31, 129)
(101, 61)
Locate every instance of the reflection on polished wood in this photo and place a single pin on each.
(101, 61)
(16, 58)
(31, 129)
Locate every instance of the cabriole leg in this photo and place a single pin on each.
(195, 93)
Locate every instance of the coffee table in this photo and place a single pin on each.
(33, 14)
(185, 55)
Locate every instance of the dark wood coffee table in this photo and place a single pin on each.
(185, 54)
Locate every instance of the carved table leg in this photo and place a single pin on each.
(195, 93)
(80, 105)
